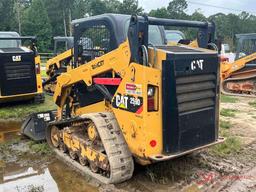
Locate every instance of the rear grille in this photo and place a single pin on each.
(195, 92)
(15, 71)
(18, 77)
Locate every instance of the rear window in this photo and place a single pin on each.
(173, 37)
(155, 36)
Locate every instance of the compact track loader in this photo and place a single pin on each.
(239, 77)
(129, 96)
(20, 77)
(63, 54)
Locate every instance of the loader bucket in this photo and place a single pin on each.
(35, 124)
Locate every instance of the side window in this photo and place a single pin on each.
(154, 35)
(94, 42)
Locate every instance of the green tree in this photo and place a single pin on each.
(177, 8)
(37, 23)
(198, 16)
(191, 33)
(130, 7)
(81, 9)
(55, 15)
(7, 12)
(97, 7)
(113, 6)
(161, 13)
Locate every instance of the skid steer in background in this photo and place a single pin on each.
(239, 77)
(20, 77)
(63, 54)
(131, 97)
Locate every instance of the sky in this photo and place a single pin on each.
(246, 5)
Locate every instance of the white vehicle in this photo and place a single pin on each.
(227, 53)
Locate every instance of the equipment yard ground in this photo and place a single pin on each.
(227, 167)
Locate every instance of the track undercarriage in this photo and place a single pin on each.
(240, 84)
(93, 144)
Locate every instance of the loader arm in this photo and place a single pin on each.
(116, 61)
(229, 68)
(57, 59)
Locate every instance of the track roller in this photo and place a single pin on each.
(95, 146)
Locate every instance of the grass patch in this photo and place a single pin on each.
(228, 99)
(230, 146)
(228, 112)
(23, 109)
(40, 148)
(225, 124)
(252, 103)
(43, 71)
(43, 74)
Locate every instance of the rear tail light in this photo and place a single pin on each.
(152, 101)
(37, 68)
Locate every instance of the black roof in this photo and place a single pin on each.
(246, 36)
(9, 34)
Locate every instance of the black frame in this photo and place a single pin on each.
(81, 27)
(139, 25)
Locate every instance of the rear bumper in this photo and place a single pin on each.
(20, 97)
(162, 157)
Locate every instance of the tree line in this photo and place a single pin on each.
(48, 18)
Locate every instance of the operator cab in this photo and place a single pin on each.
(62, 44)
(101, 34)
(246, 45)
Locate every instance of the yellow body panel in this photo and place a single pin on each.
(38, 76)
(140, 129)
(194, 44)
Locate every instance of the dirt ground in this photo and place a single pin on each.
(22, 164)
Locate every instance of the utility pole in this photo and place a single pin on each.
(18, 9)
(65, 24)
(69, 20)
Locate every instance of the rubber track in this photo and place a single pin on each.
(223, 91)
(119, 155)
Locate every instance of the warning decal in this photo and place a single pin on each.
(134, 89)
